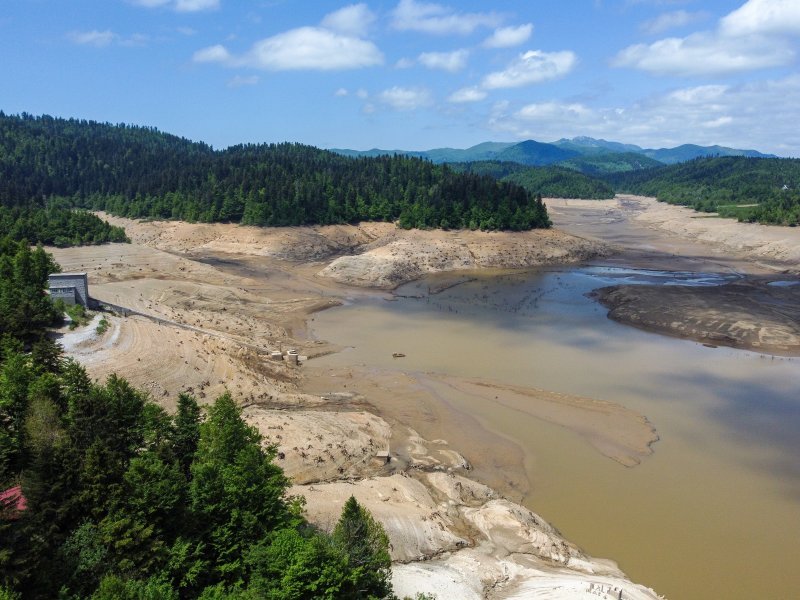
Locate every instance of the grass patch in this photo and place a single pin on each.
(102, 326)
(77, 313)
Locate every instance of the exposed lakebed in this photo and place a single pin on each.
(712, 513)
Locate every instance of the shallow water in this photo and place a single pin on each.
(713, 513)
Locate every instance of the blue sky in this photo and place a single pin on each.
(411, 74)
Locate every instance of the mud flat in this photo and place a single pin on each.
(216, 300)
(760, 311)
(750, 314)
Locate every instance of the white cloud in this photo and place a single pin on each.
(404, 63)
(701, 94)
(405, 99)
(334, 46)
(531, 67)
(306, 48)
(410, 15)
(718, 122)
(340, 93)
(312, 48)
(354, 20)
(100, 39)
(763, 17)
(757, 35)
(671, 20)
(710, 114)
(705, 54)
(506, 37)
(547, 111)
(180, 5)
(196, 5)
(92, 38)
(213, 54)
(467, 94)
(362, 93)
(242, 80)
(446, 61)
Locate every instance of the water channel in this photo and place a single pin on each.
(713, 513)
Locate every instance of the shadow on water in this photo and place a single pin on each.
(761, 415)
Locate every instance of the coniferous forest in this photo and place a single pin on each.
(139, 172)
(764, 190)
(105, 496)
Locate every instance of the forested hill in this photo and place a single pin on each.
(141, 172)
(551, 182)
(765, 190)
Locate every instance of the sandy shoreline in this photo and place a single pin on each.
(752, 313)
(248, 291)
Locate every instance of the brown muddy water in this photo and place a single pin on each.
(713, 513)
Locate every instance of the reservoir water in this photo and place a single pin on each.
(713, 513)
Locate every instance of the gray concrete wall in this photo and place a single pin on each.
(79, 281)
(67, 294)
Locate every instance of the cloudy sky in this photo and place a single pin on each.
(413, 74)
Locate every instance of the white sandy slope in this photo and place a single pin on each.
(400, 256)
(455, 538)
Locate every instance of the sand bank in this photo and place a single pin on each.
(751, 313)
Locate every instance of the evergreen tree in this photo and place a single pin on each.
(366, 546)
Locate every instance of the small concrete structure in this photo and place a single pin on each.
(384, 456)
(276, 355)
(292, 357)
(72, 288)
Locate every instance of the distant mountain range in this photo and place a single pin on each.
(585, 154)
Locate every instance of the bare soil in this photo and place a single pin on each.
(759, 312)
(215, 300)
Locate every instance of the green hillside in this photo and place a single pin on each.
(587, 145)
(141, 172)
(603, 163)
(691, 151)
(534, 154)
(550, 182)
(765, 190)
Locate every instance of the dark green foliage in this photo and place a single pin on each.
(139, 172)
(550, 182)
(724, 183)
(298, 565)
(112, 513)
(557, 182)
(236, 493)
(187, 431)
(57, 225)
(117, 588)
(365, 545)
(687, 152)
(534, 153)
(603, 163)
(24, 307)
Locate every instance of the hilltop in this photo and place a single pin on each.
(141, 172)
(534, 153)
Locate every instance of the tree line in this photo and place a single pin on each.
(728, 185)
(550, 181)
(106, 496)
(56, 224)
(140, 172)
